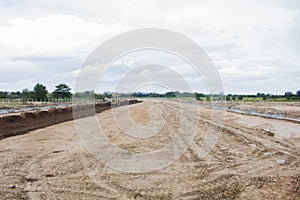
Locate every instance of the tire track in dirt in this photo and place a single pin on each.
(52, 163)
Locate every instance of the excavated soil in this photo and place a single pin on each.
(21, 123)
(245, 163)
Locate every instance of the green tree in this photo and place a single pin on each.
(199, 95)
(4, 94)
(288, 95)
(100, 96)
(107, 94)
(15, 95)
(89, 94)
(228, 97)
(170, 94)
(62, 91)
(40, 92)
(27, 94)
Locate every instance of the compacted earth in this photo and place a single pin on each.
(229, 156)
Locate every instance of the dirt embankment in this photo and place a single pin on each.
(11, 125)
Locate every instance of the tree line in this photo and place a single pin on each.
(40, 93)
(63, 91)
(229, 97)
(265, 97)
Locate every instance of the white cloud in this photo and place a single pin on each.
(252, 43)
(52, 36)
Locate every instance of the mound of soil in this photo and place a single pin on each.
(11, 125)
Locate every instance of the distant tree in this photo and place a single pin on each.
(263, 96)
(188, 94)
(15, 95)
(4, 94)
(78, 95)
(135, 94)
(62, 91)
(298, 93)
(107, 94)
(288, 94)
(85, 95)
(88, 94)
(27, 94)
(228, 97)
(40, 92)
(170, 94)
(177, 93)
(240, 97)
(153, 94)
(199, 95)
(100, 96)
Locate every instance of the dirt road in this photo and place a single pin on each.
(245, 163)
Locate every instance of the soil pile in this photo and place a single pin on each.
(16, 124)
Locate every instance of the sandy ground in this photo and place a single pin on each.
(245, 163)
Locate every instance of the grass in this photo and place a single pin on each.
(252, 99)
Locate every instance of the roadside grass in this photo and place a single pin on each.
(252, 99)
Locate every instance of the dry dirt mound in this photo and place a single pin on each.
(11, 125)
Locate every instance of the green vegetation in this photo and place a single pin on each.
(40, 92)
(288, 96)
(62, 93)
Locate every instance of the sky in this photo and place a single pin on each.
(254, 45)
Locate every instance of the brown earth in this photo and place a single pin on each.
(245, 163)
(21, 123)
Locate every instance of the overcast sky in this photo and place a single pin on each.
(255, 45)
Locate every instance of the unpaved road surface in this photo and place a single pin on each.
(245, 163)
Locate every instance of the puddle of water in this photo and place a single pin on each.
(252, 112)
(5, 111)
(248, 112)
